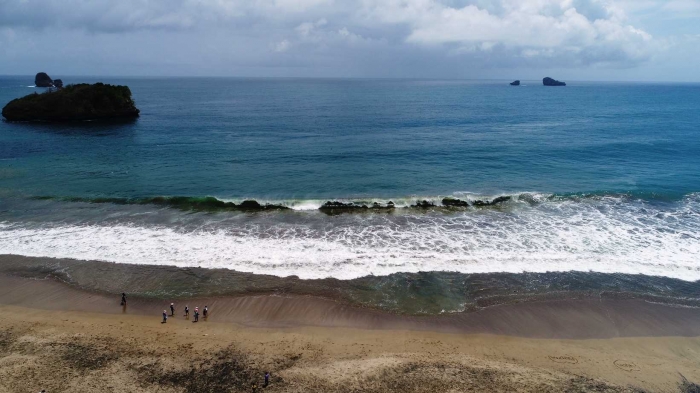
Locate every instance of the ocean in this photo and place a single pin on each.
(601, 177)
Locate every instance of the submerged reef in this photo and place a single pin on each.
(180, 202)
(330, 207)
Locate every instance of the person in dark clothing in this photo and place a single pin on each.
(165, 317)
(172, 309)
(267, 379)
(187, 312)
(205, 312)
(123, 299)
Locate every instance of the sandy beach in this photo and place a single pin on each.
(63, 339)
(369, 196)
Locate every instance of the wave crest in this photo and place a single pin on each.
(344, 205)
(603, 234)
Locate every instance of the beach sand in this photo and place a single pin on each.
(59, 338)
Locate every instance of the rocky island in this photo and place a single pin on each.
(74, 103)
(552, 82)
(42, 79)
(516, 83)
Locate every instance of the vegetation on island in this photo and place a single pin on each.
(74, 103)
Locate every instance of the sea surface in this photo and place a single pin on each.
(602, 177)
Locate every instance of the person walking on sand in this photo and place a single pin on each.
(165, 316)
(123, 299)
(205, 312)
(187, 312)
(196, 314)
(172, 309)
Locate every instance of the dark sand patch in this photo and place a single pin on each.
(98, 363)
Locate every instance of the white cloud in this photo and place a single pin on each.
(556, 25)
(682, 6)
(282, 46)
(307, 29)
(510, 33)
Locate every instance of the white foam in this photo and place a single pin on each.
(315, 204)
(609, 236)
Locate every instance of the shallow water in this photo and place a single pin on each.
(430, 293)
(603, 177)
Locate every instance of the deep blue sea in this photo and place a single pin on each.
(603, 177)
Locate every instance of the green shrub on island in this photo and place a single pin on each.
(74, 103)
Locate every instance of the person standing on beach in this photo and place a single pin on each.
(267, 379)
(123, 299)
(196, 314)
(205, 312)
(187, 312)
(165, 316)
(172, 309)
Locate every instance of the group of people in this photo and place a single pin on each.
(205, 313)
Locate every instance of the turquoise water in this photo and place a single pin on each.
(603, 176)
(310, 139)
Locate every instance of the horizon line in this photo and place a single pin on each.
(348, 78)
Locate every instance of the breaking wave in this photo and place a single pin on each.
(527, 233)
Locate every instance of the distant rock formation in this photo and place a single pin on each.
(58, 83)
(516, 83)
(43, 80)
(73, 103)
(552, 82)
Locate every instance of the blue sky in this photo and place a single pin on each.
(642, 40)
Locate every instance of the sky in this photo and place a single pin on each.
(598, 40)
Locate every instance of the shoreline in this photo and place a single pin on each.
(559, 319)
(408, 294)
(61, 339)
(58, 337)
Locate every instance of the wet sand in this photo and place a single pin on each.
(565, 319)
(59, 338)
(423, 294)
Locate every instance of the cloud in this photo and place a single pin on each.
(281, 46)
(531, 33)
(551, 28)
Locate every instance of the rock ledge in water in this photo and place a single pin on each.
(454, 202)
(552, 82)
(424, 204)
(516, 83)
(74, 103)
(335, 207)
